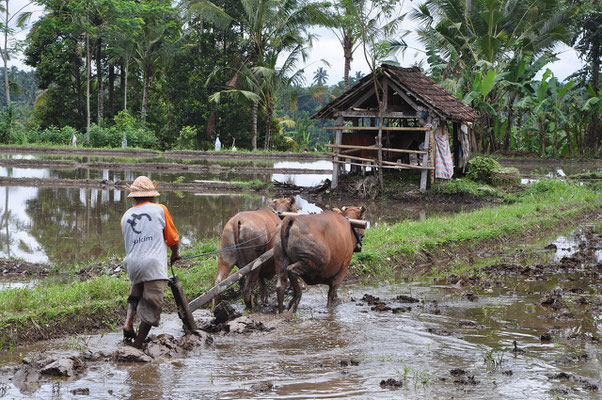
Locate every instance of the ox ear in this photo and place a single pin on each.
(291, 200)
(362, 211)
(343, 208)
(337, 210)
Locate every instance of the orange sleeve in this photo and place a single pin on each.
(170, 233)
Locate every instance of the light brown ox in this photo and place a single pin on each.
(317, 248)
(252, 232)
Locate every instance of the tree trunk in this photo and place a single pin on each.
(125, 85)
(509, 125)
(555, 138)
(5, 58)
(268, 127)
(594, 134)
(542, 138)
(111, 90)
(569, 140)
(144, 96)
(254, 136)
(99, 83)
(88, 73)
(348, 53)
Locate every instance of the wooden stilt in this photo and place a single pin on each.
(425, 161)
(336, 168)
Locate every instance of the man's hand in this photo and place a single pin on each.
(175, 253)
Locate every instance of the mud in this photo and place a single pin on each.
(11, 267)
(245, 156)
(156, 167)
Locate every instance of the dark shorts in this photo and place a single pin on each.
(150, 300)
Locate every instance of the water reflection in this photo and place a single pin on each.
(305, 180)
(70, 225)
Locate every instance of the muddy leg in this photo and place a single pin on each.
(223, 270)
(143, 331)
(263, 291)
(297, 292)
(333, 300)
(128, 327)
(248, 288)
(281, 282)
(334, 285)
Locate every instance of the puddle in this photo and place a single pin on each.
(305, 180)
(479, 336)
(17, 284)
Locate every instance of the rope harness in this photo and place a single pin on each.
(358, 237)
(358, 246)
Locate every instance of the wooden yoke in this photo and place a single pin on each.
(356, 223)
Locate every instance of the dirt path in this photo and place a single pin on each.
(199, 186)
(204, 155)
(78, 151)
(158, 167)
(181, 154)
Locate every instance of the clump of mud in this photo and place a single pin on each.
(29, 375)
(227, 320)
(10, 267)
(391, 383)
(376, 304)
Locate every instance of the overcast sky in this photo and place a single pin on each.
(327, 47)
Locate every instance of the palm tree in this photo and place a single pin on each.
(5, 21)
(344, 26)
(271, 28)
(320, 77)
(469, 38)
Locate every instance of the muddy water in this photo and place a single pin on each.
(70, 225)
(541, 169)
(305, 357)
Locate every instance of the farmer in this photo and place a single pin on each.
(147, 230)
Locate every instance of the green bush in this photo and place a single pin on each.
(139, 137)
(54, 135)
(549, 185)
(7, 118)
(187, 138)
(480, 168)
(104, 137)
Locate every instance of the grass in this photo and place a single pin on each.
(466, 186)
(543, 203)
(387, 248)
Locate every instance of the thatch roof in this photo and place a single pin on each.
(417, 86)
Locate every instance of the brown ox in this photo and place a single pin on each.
(317, 248)
(250, 234)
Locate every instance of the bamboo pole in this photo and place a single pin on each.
(375, 128)
(229, 281)
(397, 166)
(432, 145)
(373, 147)
(384, 162)
(356, 223)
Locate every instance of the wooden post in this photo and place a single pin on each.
(229, 281)
(432, 146)
(379, 141)
(425, 160)
(336, 168)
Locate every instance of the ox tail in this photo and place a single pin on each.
(284, 233)
(236, 234)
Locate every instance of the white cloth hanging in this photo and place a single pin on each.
(444, 164)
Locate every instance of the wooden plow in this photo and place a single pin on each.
(185, 309)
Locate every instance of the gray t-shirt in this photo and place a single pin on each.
(147, 231)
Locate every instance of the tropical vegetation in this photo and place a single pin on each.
(180, 75)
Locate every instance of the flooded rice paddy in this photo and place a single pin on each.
(514, 331)
(470, 337)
